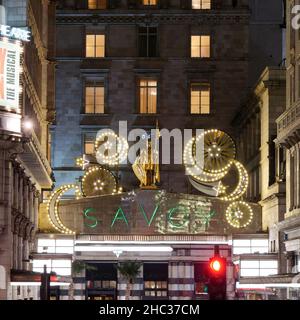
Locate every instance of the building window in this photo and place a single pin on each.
(200, 46)
(201, 4)
(200, 98)
(95, 45)
(156, 288)
(148, 42)
(156, 280)
(258, 268)
(148, 96)
(94, 98)
(250, 246)
(88, 145)
(97, 4)
(149, 2)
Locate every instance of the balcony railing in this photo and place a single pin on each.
(288, 118)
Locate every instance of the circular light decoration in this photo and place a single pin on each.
(239, 214)
(98, 181)
(114, 148)
(219, 152)
(53, 204)
(242, 184)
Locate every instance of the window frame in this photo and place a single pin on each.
(147, 78)
(210, 46)
(144, 5)
(200, 83)
(95, 34)
(201, 5)
(93, 83)
(97, 4)
(87, 137)
(139, 34)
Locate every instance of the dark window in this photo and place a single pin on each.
(272, 162)
(201, 278)
(148, 44)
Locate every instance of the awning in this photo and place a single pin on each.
(26, 278)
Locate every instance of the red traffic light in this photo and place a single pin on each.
(217, 265)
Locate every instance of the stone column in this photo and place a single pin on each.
(297, 175)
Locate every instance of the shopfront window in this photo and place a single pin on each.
(155, 280)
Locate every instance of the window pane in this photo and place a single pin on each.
(241, 250)
(61, 263)
(260, 243)
(143, 100)
(100, 52)
(267, 272)
(46, 243)
(90, 52)
(249, 264)
(249, 272)
(64, 250)
(41, 263)
(271, 264)
(62, 271)
(241, 243)
(65, 243)
(89, 148)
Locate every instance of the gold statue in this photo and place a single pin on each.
(146, 165)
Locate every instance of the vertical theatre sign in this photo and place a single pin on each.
(11, 49)
(9, 74)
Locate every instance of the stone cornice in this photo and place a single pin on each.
(32, 95)
(236, 18)
(41, 49)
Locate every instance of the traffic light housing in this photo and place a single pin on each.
(217, 278)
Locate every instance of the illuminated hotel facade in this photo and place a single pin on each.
(155, 64)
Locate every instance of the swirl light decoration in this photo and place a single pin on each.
(219, 152)
(98, 181)
(116, 152)
(219, 159)
(242, 185)
(239, 214)
(53, 207)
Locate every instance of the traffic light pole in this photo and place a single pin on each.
(45, 285)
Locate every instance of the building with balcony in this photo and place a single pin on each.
(26, 110)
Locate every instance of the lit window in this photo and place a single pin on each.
(94, 98)
(242, 246)
(156, 288)
(96, 4)
(95, 45)
(88, 145)
(258, 268)
(149, 2)
(201, 4)
(148, 96)
(200, 98)
(200, 46)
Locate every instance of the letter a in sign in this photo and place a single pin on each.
(119, 216)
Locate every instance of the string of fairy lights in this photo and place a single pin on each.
(209, 174)
(219, 160)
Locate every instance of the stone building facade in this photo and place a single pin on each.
(257, 131)
(288, 125)
(140, 43)
(25, 170)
